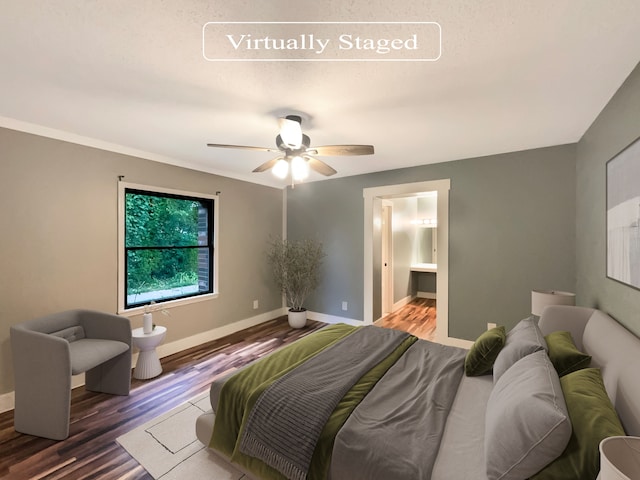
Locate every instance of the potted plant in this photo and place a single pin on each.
(296, 267)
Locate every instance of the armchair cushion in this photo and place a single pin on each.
(88, 353)
(70, 334)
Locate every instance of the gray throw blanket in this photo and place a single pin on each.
(284, 425)
(396, 431)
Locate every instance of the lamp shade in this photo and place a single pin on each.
(281, 168)
(620, 458)
(299, 168)
(543, 298)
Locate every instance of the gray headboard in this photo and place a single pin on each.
(614, 349)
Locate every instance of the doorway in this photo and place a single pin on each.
(374, 199)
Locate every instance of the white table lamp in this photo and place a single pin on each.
(543, 298)
(620, 458)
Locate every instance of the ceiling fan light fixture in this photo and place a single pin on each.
(281, 169)
(294, 149)
(299, 168)
(291, 131)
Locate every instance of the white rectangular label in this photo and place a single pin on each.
(322, 41)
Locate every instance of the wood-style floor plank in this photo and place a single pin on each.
(97, 419)
(418, 318)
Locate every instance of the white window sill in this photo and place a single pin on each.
(168, 305)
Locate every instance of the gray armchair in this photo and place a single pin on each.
(47, 351)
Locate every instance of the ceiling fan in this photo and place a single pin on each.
(295, 157)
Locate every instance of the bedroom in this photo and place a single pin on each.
(508, 211)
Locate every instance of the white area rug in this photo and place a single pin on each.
(168, 449)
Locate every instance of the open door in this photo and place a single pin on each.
(387, 258)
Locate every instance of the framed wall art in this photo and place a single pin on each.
(623, 216)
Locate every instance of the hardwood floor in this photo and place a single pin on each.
(417, 317)
(97, 419)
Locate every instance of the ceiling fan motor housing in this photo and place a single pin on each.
(306, 141)
(295, 118)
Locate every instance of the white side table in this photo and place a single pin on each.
(148, 364)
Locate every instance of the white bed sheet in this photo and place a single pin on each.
(461, 453)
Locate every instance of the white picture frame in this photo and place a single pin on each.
(623, 216)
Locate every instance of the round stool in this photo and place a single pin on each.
(148, 364)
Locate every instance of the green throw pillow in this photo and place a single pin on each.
(564, 355)
(593, 419)
(483, 352)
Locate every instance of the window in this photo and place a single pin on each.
(167, 245)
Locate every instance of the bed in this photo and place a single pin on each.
(420, 416)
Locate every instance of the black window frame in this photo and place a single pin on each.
(210, 204)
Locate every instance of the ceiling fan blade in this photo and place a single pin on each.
(320, 167)
(291, 131)
(267, 165)
(243, 147)
(337, 150)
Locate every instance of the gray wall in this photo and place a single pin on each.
(404, 210)
(615, 128)
(58, 247)
(426, 282)
(427, 209)
(412, 244)
(424, 245)
(512, 229)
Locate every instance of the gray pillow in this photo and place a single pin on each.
(527, 424)
(70, 334)
(523, 339)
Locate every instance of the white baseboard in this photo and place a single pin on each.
(185, 343)
(323, 317)
(454, 342)
(7, 400)
(431, 295)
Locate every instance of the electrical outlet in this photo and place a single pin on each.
(255, 304)
(345, 305)
(490, 326)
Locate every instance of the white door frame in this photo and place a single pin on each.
(387, 257)
(442, 277)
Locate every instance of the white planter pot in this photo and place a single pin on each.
(147, 323)
(297, 319)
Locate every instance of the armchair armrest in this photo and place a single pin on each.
(42, 371)
(39, 353)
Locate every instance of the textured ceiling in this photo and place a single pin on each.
(131, 77)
